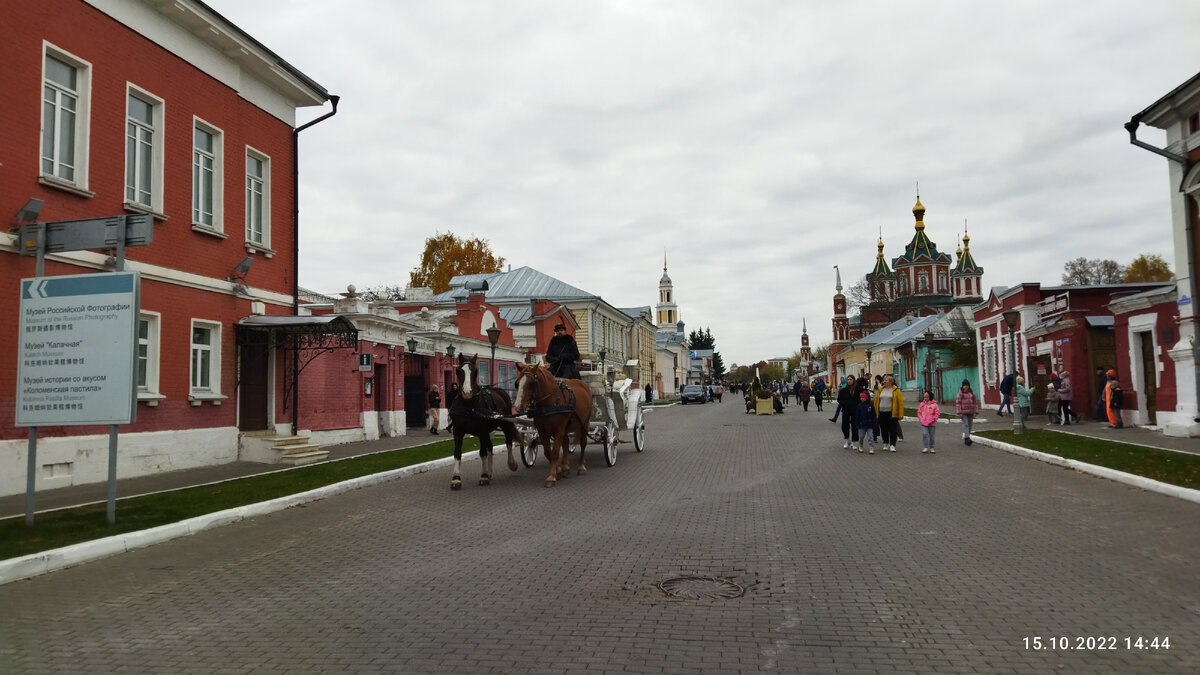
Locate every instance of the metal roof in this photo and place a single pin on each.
(899, 332)
(521, 283)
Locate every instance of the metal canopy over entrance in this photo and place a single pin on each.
(302, 339)
(303, 332)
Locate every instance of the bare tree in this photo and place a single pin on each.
(1086, 272)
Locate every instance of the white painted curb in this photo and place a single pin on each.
(1142, 482)
(34, 564)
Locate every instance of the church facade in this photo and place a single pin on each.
(921, 281)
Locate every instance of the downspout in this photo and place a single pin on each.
(296, 254)
(1189, 232)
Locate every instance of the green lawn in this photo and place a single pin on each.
(1176, 468)
(60, 528)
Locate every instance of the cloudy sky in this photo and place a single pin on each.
(756, 143)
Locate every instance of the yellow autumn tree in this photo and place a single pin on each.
(447, 256)
(1148, 267)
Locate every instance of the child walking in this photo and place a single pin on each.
(1052, 400)
(965, 406)
(865, 422)
(927, 414)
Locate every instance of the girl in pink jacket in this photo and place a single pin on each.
(927, 414)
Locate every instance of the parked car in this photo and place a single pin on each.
(694, 393)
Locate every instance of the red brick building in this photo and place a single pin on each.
(136, 107)
(1062, 329)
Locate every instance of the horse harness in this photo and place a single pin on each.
(536, 411)
(482, 407)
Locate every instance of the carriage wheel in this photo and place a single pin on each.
(610, 444)
(529, 452)
(639, 435)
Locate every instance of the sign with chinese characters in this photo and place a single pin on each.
(77, 356)
(1053, 306)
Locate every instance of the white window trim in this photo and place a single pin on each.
(213, 392)
(218, 187)
(265, 244)
(83, 120)
(157, 154)
(150, 394)
(989, 362)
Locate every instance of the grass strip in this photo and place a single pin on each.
(1166, 466)
(55, 529)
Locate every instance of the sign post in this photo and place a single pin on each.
(108, 322)
(77, 360)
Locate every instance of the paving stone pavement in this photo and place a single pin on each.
(891, 563)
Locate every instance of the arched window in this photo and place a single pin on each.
(923, 282)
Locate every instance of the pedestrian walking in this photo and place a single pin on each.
(1023, 395)
(804, 396)
(785, 391)
(889, 409)
(1116, 401)
(435, 408)
(818, 397)
(1066, 394)
(865, 421)
(1052, 404)
(966, 405)
(1101, 388)
(840, 409)
(1006, 388)
(928, 414)
(847, 398)
(720, 391)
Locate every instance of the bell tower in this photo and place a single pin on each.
(841, 324)
(666, 312)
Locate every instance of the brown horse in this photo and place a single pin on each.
(558, 407)
(479, 411)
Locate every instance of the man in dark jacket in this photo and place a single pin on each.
(562, 353)
(847, 398)
(1006, 390)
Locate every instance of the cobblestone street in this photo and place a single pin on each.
(957, 562)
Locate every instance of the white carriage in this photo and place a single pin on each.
(618, 408)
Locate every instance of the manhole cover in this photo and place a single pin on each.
(702, 587)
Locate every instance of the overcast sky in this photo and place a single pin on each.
(756, 143)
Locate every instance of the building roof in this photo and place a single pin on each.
(881, 266)
(1182, 97)
(920, 246)
(966, 262)
(899, 332)
(522, 283)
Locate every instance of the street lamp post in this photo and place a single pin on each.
(493, 334)
(1011, 317)
(603, 371)
(928, 360)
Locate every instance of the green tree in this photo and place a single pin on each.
(703, 339)
(446, 256)
(1148, 267)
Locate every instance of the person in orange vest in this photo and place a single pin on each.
(1116, 401)
(1108, 394)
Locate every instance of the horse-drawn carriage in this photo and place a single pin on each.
(619, 409)
(557, 410)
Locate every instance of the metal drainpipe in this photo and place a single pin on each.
(1189, 232)
(296, 254)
